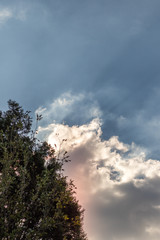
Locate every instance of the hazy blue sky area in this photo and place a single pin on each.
(77, 61)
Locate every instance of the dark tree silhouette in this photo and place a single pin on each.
(36, 201)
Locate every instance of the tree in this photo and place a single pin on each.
(36, 201)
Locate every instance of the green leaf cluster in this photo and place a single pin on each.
(36, 201)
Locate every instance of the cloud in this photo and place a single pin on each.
(117, 184)
(5, 14)
(71, 108)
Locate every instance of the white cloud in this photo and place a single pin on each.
(121, 162)
(117, 184)
(75, 107)
(115, 181)
(60, 107)
(5, 14)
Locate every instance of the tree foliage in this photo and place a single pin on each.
(36, 201)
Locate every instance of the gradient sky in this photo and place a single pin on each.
(92, 68)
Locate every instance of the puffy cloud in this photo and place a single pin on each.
(117, 184)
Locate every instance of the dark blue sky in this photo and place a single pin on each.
(105, 52)
(107, 48)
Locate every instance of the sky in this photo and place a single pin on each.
(92, 69)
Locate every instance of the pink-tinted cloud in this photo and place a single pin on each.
(117, 185)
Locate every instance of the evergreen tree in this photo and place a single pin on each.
(36, 201)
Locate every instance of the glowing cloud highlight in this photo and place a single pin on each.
(116, 183)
